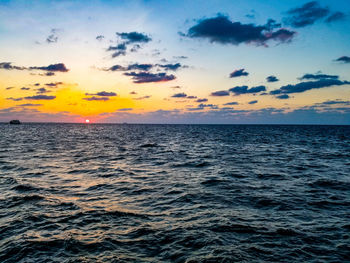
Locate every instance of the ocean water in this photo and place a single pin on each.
(174, 193)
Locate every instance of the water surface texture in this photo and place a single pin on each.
(174, 193)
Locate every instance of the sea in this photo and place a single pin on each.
(174, 193)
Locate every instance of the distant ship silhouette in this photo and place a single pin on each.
(15, 122)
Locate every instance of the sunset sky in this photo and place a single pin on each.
(233, 61)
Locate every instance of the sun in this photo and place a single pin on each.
(87, 121)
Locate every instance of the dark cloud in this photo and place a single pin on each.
(8, 66)
(222, 30)
(14, 99)
(125, 109)
(231, 103)
(183, 95)
(202, 100)
(145, 67)
(118, 50)
(334, 102)
(283, 97)
(37, 84)
(344, 59)
(53, 37)
(146, 77)
(102, 94)
(306, 15)
(202, 106)
(25, 88)
(238, 90)
(134, 37)
(318, 76)
(40, 97)
(115, 68)
(308, 85)
(8, 88)
(142, 67)
(135, 66)
(100, 37)
(59, 67)
(96, 99)
(42, 91)
(175, 87)
(133, 93)
(54, 84)
(220, 93)
(48, 74)
(179, 95)
(29, 105)
(142, 98)
(238, 73)
(336, 16)
(173, 67)
(272, 79)
(253, 102)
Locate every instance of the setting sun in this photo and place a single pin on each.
(87, 121)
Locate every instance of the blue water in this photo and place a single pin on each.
(174, 193)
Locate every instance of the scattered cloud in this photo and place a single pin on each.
(8, 88)
(40, 97)
(220, 93)
(142, 98)
(283, 97)
(231, 103)
(42, 91)
(102, 94)
(100, 37)
(9, 66)
(344, 59)
(308, 85)
(221, 29)
(125, 109)
(146, 77)
(272, 79)
(318, 76)
(135, 66)
(145, 67)
(172, 67)
(180, 57)
(14, 99)
(25, 88)
(238, 73)
(238, 90)
(59, 67)
(134, 37)
(53, 37)
(133, 93)
(118, 50)
(201, 100)
(310, 13)
(336, 16)
(29, 105)
(96, 98)
(54, 84)
(203, 106)
(253, 102)
(183, 95)
(179, 95)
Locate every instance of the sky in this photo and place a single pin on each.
(197, 62)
